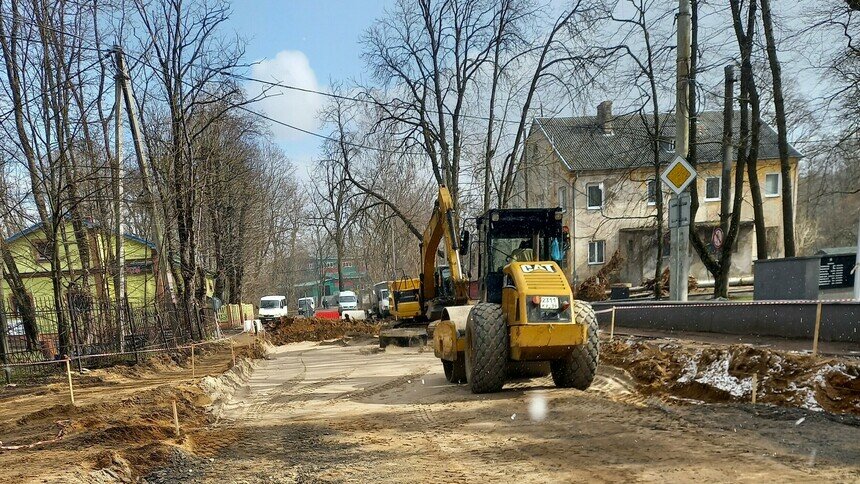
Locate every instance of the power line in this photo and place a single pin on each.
(356, 99)
(285, 124)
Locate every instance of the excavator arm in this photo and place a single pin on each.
(443, 224)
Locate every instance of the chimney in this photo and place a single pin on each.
(604, 116)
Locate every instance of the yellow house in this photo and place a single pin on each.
(32, 254)
(600, 169)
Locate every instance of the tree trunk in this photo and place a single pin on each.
(63, 334)
(23, 302)
(781, 131)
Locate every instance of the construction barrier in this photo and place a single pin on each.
(824, 320)
(233, 316)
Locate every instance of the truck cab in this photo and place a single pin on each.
(403, 298)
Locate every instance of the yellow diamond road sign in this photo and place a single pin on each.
(678, 174)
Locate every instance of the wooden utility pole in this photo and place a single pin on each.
(681, 232)
(146, 177)
(728, 152)
(119, 274)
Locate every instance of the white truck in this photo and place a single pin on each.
(379, 299)
(272, 308)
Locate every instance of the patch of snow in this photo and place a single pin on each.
(690, 371)
(717, 375)
(776, 364)
(807, 395)
(821, 374)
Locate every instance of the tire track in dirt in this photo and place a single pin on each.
(382, 387)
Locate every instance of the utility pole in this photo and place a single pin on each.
(393, 252)
(857, 265)
(119, 274)
(726, 182)
(146, 177)
(680, 233)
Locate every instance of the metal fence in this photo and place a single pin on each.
(90, 334)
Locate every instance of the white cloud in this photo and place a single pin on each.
(297, 108)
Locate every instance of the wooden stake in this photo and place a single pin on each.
(69, 375)
(193, 370)
(175, 418)
(754, 386)
(817, 329)
(612, 325)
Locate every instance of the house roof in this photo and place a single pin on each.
(87, 223)
(582, 145)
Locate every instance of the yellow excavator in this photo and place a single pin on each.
(525, 311)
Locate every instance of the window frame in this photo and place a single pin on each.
(588, 204)
(561, 196)
(597, 244)
(778, 185)
(667, 145)
(649, 193)
(43, 251)
(719, 189)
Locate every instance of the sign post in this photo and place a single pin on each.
(678, 176)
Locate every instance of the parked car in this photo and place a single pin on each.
(272, 308)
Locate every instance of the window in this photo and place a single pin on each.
(713, 185)
(44, 250)
(594, 194)
(561, 197)
(667, 145)
(652, 192)
(772, 185)
(596, 250)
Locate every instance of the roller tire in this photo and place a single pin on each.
(486, 348)
(579, 368)
(455, 371)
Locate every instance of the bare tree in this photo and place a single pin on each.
(188, 59)
(782, 132)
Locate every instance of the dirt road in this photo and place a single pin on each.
(329, 412)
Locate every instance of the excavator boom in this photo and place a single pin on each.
(443, 224)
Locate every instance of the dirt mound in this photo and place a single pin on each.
(293, 330)
(122, 425)
(728, 373)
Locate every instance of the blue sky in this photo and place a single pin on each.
(306, 43)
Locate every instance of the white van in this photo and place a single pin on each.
(272, 308)
(347, 301)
